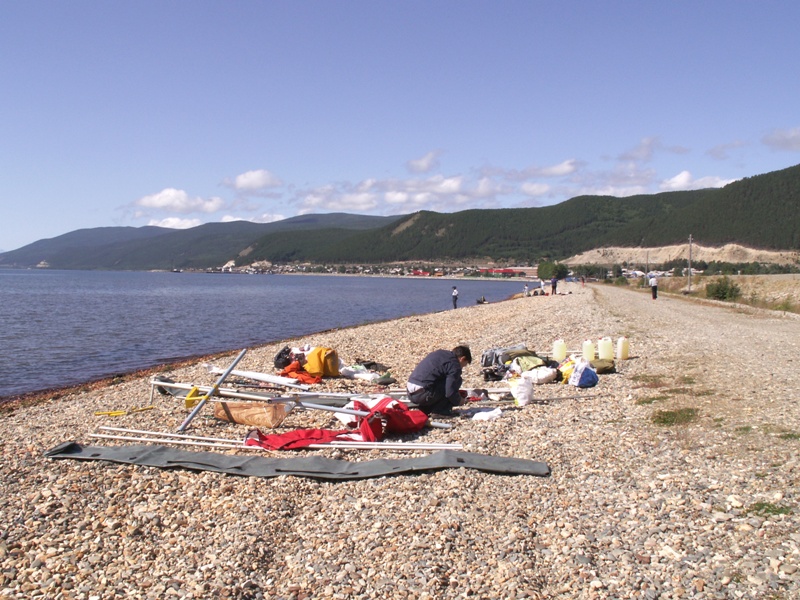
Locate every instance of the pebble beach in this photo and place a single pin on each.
(675, 477)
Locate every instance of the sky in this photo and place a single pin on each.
(177, 113)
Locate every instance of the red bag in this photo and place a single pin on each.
(399, 418)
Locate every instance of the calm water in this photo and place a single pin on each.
(67, 327)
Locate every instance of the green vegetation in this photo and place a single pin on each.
(679, 416)
(724, 289)
(768, 509)
(760, 212)
(648, 381)
(651, 400)
(549, 269)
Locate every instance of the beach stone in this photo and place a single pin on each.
(632, 509)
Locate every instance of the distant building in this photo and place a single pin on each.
(503, 272)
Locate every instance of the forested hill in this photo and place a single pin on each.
(759, 212)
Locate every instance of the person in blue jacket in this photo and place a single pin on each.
(435, 383)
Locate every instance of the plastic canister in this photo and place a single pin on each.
(605, 349)
(623, 347)
(559, 350)
(588, 350)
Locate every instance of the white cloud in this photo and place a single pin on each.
(175, 223)
(647, 148)
(721, 151)
(372, 195)
(618, 191)
(486, 188)
(783, 139)
(424, 164)
(561, 169)
(356, 202)
(173, 200)
(643, 152)
(685, 181)
(253, 182)
(534, 189)
(262, 218)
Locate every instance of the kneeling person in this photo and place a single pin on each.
(435, 383)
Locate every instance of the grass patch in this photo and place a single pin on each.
(768, 509)
(743, 429)
(790, 436)
(651, 399)
(678, 391)
(680, 416)
(649, 381)
(686, 380)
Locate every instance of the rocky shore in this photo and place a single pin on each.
(637, 505)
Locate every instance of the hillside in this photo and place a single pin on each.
(756, 212)
(730, 253)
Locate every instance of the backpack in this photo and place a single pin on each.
(603, 366)
(283, 358)
(493, 361)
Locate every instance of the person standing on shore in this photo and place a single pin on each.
(653, 285)
(525, 290)
(553, 285)
(455, 297)
(435, 383)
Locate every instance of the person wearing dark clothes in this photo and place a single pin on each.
(553, 285)
(435, 384)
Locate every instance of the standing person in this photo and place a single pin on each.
(435, 383)
(653, 285)
(525, 290)
(553, 285)
(583, 281)
(455, 297)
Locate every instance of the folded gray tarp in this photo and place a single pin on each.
(314, 466)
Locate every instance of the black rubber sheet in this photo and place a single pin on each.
(317, 467)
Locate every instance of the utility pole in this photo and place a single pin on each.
(690, 263)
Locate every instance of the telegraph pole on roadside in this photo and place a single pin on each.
(690, 264)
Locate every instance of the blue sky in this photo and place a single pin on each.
(177, 113)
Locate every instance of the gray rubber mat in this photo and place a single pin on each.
(313, 466)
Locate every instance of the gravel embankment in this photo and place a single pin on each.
(633, 509)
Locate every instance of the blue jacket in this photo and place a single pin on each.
(439, 373)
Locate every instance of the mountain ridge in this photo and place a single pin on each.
(759, 212)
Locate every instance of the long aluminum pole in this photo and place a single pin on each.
(229, 443)
(213, 390)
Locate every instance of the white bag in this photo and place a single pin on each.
(522, 390)
(541, 375)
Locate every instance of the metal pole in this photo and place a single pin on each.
(690, 263)
(213, 390)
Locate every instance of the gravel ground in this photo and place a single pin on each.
(633, 508)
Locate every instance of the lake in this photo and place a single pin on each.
(62, 328)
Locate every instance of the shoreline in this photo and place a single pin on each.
(708, 508)
(144, 366)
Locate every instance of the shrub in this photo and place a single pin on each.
(723, 289)
(674, 417)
